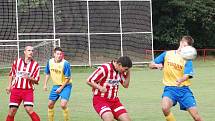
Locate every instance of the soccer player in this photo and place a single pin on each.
(23, 75)
(105, 84)
(177, 74)
(59, 70)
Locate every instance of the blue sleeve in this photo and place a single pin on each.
(188, 69)
(160, 58)
(47, 69)
(67, 69)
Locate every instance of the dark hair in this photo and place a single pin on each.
(125, 61)
(58, 49)
(188, 39)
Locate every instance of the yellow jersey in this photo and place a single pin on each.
(175, 67)
(58, 71)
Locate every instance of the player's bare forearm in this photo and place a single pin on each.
(33, 80)
(97, 86)
(127, 80)
(46, 80)
(8, 89)
(65, 83)
(181, 80)
(153, 65)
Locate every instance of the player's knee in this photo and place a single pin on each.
(63, 106)
(12, 112)
(108, 117)
(29, 110)
(50, 105)
(166, 111)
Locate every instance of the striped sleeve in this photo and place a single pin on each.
(97, 75)
(36, 73)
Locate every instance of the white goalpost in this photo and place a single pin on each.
(13, 49)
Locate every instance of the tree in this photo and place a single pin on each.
(173, 19)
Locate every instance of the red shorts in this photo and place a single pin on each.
(19, 95)
(102, 105)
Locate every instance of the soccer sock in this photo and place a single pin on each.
(10, 118)
(51, 114)
(34, 117)
(66, 114)
(170, 117)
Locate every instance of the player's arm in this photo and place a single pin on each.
(158, 62)
(8, 89)
(95, 77)
(67, 74)
(45, 82)
(188, 73)
(11, 77)
(126, 82)
(47, 72)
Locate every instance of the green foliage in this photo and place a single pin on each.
(24, 5)
(173, 19)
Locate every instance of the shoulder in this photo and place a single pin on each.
(35, 62)
(106, 66)
(65, 62)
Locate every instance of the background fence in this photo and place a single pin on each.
(91, 31)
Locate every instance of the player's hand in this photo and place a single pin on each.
(45, 88)
(103, 89)
(58, 90)
(8, 89)
(159, 66)
(178, 83)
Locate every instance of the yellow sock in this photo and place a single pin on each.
(170, 117)
(51, 114)
(66, 114)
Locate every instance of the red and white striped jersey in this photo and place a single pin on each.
(19, 69)
(107, 76)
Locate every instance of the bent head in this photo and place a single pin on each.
(186, 41)
(29, 52)
(58, 54)
(123, 63)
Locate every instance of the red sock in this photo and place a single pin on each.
(34, 117)
(10, 118)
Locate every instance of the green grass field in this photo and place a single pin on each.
(142, 98)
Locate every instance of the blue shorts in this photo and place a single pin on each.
(182, 95)
(64, 94)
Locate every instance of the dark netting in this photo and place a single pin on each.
(35, 20)
(104, 17)
(35, 16)
(75, 48)
(104, 48)
(71, 16)
(136, 16)
(7, 19)
(136, 46)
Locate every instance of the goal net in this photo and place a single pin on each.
(13, 49)
(91, 31)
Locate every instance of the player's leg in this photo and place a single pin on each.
(11, 113)
(188, 103)
(15, 100)
(119, 111)
(107, 116)
(53, 97)
(28, 100)
(194, 113)
(102, 108)
(65, 95)
(168, 100)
